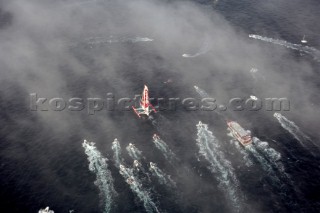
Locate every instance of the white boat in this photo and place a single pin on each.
(304, 41)
(46, 210)
(277, 115)
(152, 165)
(253, 97)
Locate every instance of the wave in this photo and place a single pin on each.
(117, 152)
(138, 189)
(104, 180)
(201, 92)
(224, 172)
(164, 148)
(203, 50)
(292, 128)
(115, 39)
(305, 49)
(271, 154)
(93, 42)
(134, 152)
(266, 166)
(304, 140)
(246, 157)
(46, 210)
(161, 176)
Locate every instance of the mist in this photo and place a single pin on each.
(87, 49)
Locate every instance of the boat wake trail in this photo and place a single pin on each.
(137, 188)
(305, 49)
(224, 172)
(269, 153)
(266, 166)
(164, 148)
(204, 49)
(161, 176)
(46, 210)
(104, 181)
(134, 152)
(102, 41)
(140, 172)
(113, 39)
(294, 130)
(117, 152)
(269, 160)
(246, 157)
(201, 92)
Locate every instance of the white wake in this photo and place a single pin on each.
(247, 160)
(305, 49)
(271, 154)
(138, 189)
(116, 39)
(161, 176)
(104, 181)
(134, 152)
(292, 128)
(219, 165)
(201, 92)
(203, 50)
(164, 148)
(117, 152)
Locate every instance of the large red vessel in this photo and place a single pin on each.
(243, 136)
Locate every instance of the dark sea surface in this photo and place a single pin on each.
(44, 164)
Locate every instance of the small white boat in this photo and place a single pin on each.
(46, 210)
(304, 41)
(253, 97)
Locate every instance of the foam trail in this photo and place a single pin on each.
(272, 155)
(204, 49)
(282, 182)
(138, 189)
(246, 157)
(98, 41)
(267, 157)
(224, 172)
(164, 148)
(308, 50)
(201, 92)
(46, 210)
(134, 152)
(104, 181)
(117, 152)
(266, 166)
(138, 169)
(161, 176)
(293, 129)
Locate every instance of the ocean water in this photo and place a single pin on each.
(44, 164)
